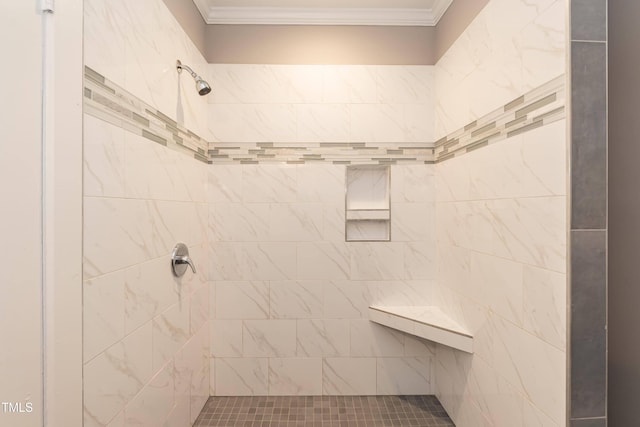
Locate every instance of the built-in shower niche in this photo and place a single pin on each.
(368, 212)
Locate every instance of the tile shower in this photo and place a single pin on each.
(254, 182)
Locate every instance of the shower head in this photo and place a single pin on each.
(202, 86)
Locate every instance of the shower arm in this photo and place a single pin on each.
(180, 66)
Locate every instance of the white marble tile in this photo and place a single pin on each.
(346, 299)
(498, 401)
(153, 404)
(224, 183)
(191, 374)
(226, 260)
(377, 123)
(226, 338)
(322, 122)
(402, 293)
(420, 260)
(400, 376)
(349, 376)
(545, 305)
(103, 153)
(252, 122)
(531, 365)
(118, 421)
(103, 313)
(112, 378)
(321, 183)
(323, 261)
(199, 307)
(106, 25)
(543, 41)
(179, 415)
(377, 261)
(452, 180)
(418, 347)
(412, 183)
(323, 338)
(498, 284)
(170, 222)
(269, 338)
(158, 178)
(412, 84)
(333, 222)
(242, 300)
(412, 222)
(528, 165)
(241, 377)
(419, 123)
(271, 183)
(295, 299)
(250, 83)
(346, 84)
(295, 222)
(199, 390)
(295, 377)
(533, 417)
(370, 339)
(170, 332)
(239, 222)
(115, 234)
(150, 288)
(269, 261)
(531, 231)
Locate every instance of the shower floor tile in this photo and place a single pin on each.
(324, 411)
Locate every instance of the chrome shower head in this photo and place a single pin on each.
(202, 86)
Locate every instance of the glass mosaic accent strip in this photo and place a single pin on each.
(539, 107)
(108, 101)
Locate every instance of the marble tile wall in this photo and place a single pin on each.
(146, 333)
(501, 215)
(135, 44)
(321, 104)
(510, 48)
(289, 296)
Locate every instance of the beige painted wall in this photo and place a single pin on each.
(325, 44)
(190, 19)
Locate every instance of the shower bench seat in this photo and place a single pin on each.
(428, 322)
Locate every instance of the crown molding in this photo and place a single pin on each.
(322, 16)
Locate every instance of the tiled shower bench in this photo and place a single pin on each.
(428, 322)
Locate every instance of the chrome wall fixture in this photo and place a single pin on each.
(202, 86)
(180, 259)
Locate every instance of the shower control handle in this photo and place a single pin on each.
(180, 260)
(185, 260)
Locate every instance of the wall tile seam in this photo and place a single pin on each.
(588, 41)
(507, 259)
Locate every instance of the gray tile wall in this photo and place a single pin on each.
(588, 249)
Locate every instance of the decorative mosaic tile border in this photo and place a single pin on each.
(541, 106)
(327, 152)
(108, 101)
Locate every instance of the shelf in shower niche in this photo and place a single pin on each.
(428, 322)
(368, 214)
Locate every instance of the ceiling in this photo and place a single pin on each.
(323, 12)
